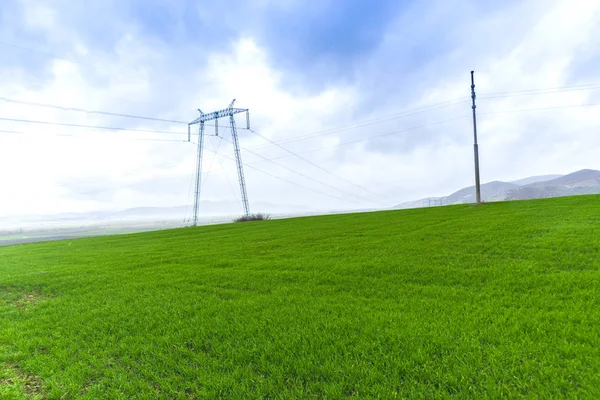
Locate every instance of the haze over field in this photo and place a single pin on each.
(29, 228)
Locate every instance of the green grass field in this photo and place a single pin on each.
(499, 300)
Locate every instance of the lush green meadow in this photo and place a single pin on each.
(499, 300)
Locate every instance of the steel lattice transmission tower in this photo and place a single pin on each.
(214, 116)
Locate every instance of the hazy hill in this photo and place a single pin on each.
(207, 208)
(210, 212)
(535, 179)
(585, 177)
(492, 191)
(586, 181)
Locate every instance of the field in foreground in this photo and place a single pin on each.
(500, 300)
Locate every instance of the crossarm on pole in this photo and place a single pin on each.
(218, 114)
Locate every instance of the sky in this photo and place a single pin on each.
(368, 102)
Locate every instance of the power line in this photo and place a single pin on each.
(276, 158)
(237, 199)
(591, 86)
(350, 142)
(297, 184)
(231, 159)
(181, 133)
(375, 136)
(249, 165)
(301, 174)
(415, 111)
(309, 151)
(212, 162)
(82, 110)
(187, 203)
(535, 94)
(336, 145)
(431, 124)
(359, 124)
(315, 165)
(37, 51)
(319, 133)
(98, 112)
(433, 107)
(540, 109)
(417, 127)
(127, 139)
(391, 133)
(362, 124)
(218, 158)
(427, 108)
(87, 126)
(130, 184)
(125, 173)
(149, 140)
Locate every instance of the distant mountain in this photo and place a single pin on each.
(223, 210)
(492, 191)
(535, 179)
(585, 177)
(586, 181)
(207, 208)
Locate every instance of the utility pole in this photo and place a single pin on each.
(227, 112)
(475, 145)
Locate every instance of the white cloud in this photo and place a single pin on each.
(111, 170)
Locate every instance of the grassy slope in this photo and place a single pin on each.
(497, 300)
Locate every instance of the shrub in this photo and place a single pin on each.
(253, 217)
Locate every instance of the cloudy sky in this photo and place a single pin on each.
(373, 97)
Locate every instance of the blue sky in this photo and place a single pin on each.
(301, 67)
(315, 43)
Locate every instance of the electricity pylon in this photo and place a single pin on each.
(227, 112)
